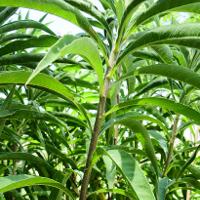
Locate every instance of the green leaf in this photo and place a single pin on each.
(42, 41)
(163, 103)
(41, 81)
(110, 171)
(40, 163)
(44, 82)
(59, 8)
(23, 58)
(184, 34)
(132, 173)
(89, 8)
(12, 26)
(84, 47)
(9, 183)
(162, 187)
(134, 116)
(14, 36)
(166, 5)
(114, 191)
(164, 53)
(127, 17)
(172, 71)
(188, 162)
(6, 13)
(195, 170)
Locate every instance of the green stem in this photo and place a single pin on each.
(97, 128)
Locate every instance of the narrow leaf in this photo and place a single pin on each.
(132, 173)
(9, 183)
(163, 103)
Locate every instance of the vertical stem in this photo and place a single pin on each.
(97, 128)
(171, 145)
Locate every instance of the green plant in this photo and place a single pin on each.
(104, 113)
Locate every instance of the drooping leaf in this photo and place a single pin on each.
(173, 71)
(9, 183)
(162, 187)
(113, 191)
(167, 5)
(42, 41)
(184, 34)
(132, 173)
(43, 81)
(127, 16)
(84, 47)
(133, 116)
(163, 103)
(13, 26)
(6, 13)
(59, 8)
(91, 9)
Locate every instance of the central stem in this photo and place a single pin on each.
(171, 145)
(97, 127)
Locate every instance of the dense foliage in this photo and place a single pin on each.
(109, 113)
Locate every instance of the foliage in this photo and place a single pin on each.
(109, 113)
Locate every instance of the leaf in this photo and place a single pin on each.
(161, 102)
(132, 173)
(184, 34)
(166, 5)
(126, 18)
(120, 7)
(14, 36)
(84, 47)
(188, 162)
(43, 82)
(12, 26)
(6, 13)
(162, 187)
(59, 8)
(40, 163)
(114, 191)
(42, 41)
(9, 183)
(137, 127)
(89, 51)
(160, 139)
(22, 58)
(172, 71)
(91, 9)
(110, 171)
(195, 170)
(164, 53)
(134, 116)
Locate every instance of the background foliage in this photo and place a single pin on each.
(109, 113)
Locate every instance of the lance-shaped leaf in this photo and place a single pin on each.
(172, 71)
(168, 5)
(89, 8)
(59, 8)
(134, 116)
(127, 16)
(42, 41)
(44, 82)
(132, 173)
(6, 13)
(184, 34)
(12, 26)
(161, 102)
(9, 183)
(131, 121)
(84, 47)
